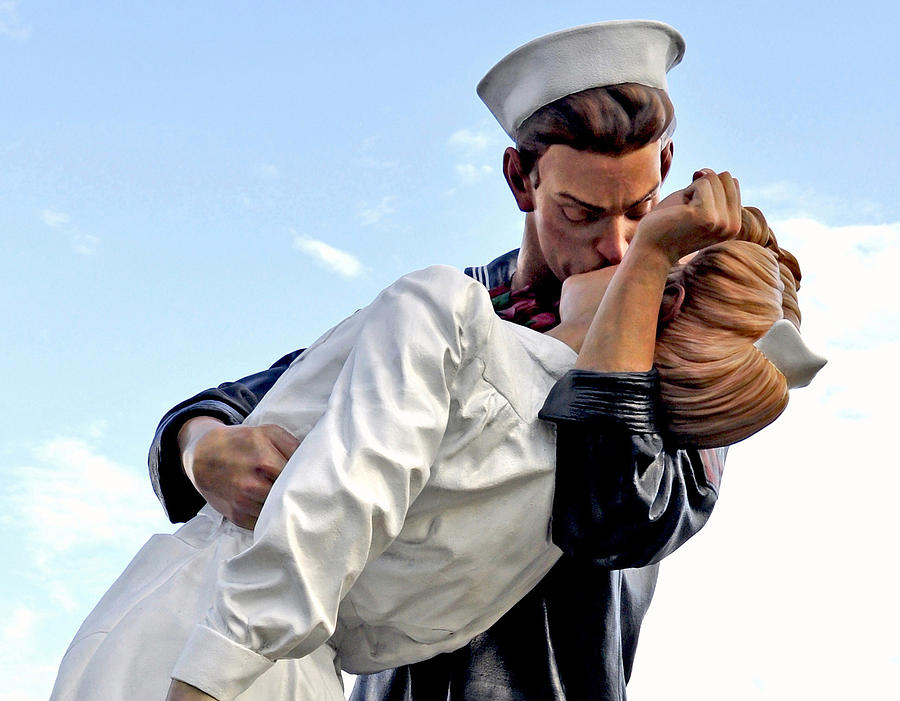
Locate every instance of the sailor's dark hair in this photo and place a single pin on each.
(612, 119)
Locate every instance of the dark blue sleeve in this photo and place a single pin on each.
(625, 496)
(230, 402)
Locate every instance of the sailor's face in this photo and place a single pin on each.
(587, 205)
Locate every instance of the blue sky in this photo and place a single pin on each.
(190, 190)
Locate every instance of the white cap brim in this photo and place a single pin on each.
(569, 61)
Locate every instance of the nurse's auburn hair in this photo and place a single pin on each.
(612, 119)
(716, 387)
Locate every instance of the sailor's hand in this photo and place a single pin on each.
(234, 467)
(179, 691)
(706, 212)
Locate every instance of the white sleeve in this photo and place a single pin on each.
(344, 494)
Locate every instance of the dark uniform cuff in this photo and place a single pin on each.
(626, 398)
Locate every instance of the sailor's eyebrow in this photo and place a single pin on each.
(602, 210)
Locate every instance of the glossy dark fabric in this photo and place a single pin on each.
(656, 497)
(573, 637)
(509, 662)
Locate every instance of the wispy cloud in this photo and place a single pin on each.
(54, 219)
(373, 215)
(471, 140)
(469, 173)
(56, 496)
(19, 626)
(26, 672)
(847, 293)
(334, 259)
(63, 596)
(266, 171)
(371, 152)
(786, 199)
(96, 428)
(83, 244)
(72, 518)
(11, 25)
(471, 147)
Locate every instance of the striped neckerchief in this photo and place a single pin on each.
(525, 308)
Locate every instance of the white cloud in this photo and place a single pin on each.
(370, 154)
(796, 560)
(471, 145)
(85, 244)
(71, 497)
(63, 596)
(784, 199)
(782, 191)
(72, 518)
(471, 174)
(266, 171)
(373, 215)
(470, 140)
(28, 675)
(19, 626)
(11, 24)
(96, 428)
(26, 679)
(55, 219)
(798, 556)
(848, 294)
(334, 259)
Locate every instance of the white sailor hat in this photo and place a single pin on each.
(572, 60)
(784, 347)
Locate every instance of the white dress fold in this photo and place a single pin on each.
(415, 513)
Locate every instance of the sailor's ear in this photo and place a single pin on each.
(519, 183)
(665, 159)
(673, 297)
